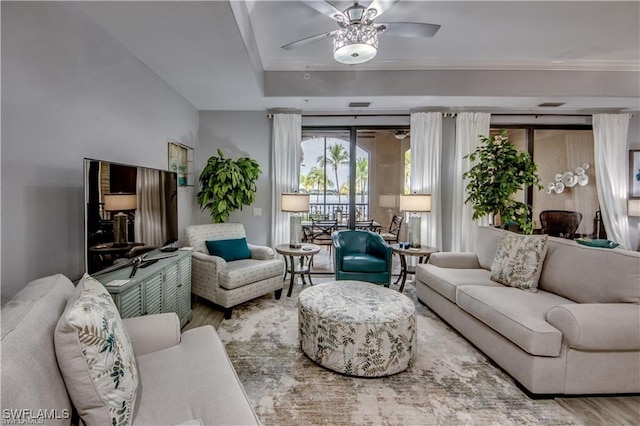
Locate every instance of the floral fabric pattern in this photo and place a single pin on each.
(518, 260)
(104, 352)
(357, 328)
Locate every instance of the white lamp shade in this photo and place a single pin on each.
(119, 202)
(633, 207)
(388, 201)
(415, 202)
(295, 203)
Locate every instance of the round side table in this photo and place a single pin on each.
(302, 268)
(421, 253)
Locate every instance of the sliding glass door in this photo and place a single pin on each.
(354, 174)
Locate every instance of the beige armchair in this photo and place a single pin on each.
(230, 283)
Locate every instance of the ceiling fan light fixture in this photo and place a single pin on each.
(355, 44)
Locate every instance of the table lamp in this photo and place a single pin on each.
(120, 202)
(415, 204)
(295, 203)
(390, 202)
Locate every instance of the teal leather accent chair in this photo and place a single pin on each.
(362, 256)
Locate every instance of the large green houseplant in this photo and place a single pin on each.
(227, 185)
(499, 172)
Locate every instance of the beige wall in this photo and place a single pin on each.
(557, 151)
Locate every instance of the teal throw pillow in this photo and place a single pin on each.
(229, 250)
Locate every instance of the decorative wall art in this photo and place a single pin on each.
(634, 173)
(181, 162)
(569, 179)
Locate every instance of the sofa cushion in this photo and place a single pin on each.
(518, 260)
(517, 315)
(31, 379)
(96, 357)
(446, 280)
(487, 240)
(229, 250)
(247, 271)
(363, 262)
(195, 376)
(591, 275)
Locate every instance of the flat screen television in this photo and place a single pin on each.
(129, 210)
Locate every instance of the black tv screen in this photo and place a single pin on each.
(129, 210)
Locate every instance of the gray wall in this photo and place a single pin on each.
(239, 134)
(70, 91)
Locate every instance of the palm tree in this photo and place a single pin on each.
(317, 177)
(306, 183)
(338, 156)
(362, 176)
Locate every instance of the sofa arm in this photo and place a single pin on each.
(201, 257)
(598, 326)
(152, 333)
(261, 252)
(378, 247)
(455, 260)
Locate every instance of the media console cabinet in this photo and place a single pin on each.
(164, 286)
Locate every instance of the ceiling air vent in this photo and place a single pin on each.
(551, 104)
(359, 104)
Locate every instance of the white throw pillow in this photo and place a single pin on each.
(96, 357)
(518, 260)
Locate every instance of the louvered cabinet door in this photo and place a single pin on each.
(130, 302)
(161, 287)
(170, 296)
(184, 290)
(153, 294)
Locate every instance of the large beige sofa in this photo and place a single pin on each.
(183, 378)
(578, 334)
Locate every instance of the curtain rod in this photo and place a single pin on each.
(446, 114)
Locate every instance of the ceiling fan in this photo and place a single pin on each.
(356, 41)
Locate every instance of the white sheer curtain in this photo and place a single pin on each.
(469, 126)
(426, 155)
(151, 217)
(287, 134)
(610, 148)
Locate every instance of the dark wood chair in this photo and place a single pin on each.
(560, 223)
(366, 225)
(391, 236)
(321, 232)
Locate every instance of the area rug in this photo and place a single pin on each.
(449, 382)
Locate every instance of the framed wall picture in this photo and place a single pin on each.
(634, 173)
(181, 162)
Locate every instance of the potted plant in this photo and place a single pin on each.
(501, 171)
(227, 185)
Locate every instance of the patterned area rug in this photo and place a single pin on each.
(449, 382)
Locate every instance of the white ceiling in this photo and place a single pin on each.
(513, 55)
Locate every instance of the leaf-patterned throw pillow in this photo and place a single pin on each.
(518, 260)
(96, 358)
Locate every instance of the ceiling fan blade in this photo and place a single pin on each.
(308, 40)
(381, 6)
(408, 29)
(328, 9)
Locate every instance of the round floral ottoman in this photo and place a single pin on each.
(357, 328)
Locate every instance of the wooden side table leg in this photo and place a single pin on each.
(292, 271)
(309, 270)
(403, 269)
(286, 267)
